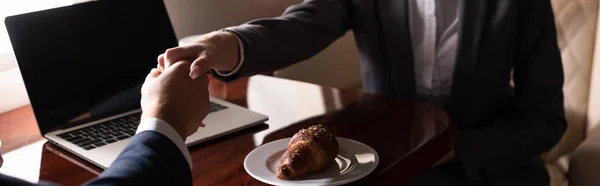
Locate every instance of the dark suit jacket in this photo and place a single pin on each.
(499, 127)
(149, 159)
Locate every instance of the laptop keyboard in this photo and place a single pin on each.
(103, 133)
(111, 131)
(216, 107)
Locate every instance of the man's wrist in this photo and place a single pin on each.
(227, 51)
(164, 128)
(164, 115)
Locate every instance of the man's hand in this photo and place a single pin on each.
(175, 98)
(216, 50)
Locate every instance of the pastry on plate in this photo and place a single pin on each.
(310, 150)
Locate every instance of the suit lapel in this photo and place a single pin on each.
(394, 20)
(472, 16)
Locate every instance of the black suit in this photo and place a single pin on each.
(149, 159)
(499, 128)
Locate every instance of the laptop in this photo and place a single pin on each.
(83, 66)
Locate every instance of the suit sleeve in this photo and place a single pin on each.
(151, 158)
(301, 32)
(538, 122)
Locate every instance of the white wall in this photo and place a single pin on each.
(7, 61)
(336, 66)
(12, 90)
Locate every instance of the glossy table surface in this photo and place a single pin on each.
(408, 136)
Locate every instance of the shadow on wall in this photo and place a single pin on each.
(336, 66)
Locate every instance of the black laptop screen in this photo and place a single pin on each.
(88, 61)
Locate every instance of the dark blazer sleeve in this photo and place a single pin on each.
(149, 159)
(301, 32)
(538, 122)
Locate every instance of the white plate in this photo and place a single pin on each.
(355, 160)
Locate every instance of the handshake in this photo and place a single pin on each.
(177, 90)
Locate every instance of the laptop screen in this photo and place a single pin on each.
(88, 61)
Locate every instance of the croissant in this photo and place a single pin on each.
(309, 150)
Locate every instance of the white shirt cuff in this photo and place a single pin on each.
(160, 126)
(237, 68)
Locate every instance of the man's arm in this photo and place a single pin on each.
(301, 32)
(173, 107)
(538, 122)
(265, 44)
(150, 159)
(156, 155)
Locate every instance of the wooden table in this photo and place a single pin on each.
(408, 136)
